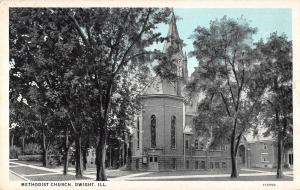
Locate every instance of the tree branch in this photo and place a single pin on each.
(133, 43)
(226, 105)
(77, 27)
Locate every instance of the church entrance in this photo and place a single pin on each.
(153, 163)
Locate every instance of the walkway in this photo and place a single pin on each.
(21, 172)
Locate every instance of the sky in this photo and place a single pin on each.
(266, 21)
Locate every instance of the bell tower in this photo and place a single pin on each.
(174, 45)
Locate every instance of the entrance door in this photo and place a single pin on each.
(153, 163)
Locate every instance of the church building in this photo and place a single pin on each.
(164, 137)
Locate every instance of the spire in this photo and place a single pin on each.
(172, 33)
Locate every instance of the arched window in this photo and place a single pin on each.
(153, 131)
(138, 132)
(196, 144)
(173, 131)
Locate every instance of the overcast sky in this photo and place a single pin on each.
(265, 20)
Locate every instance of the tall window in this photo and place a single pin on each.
(138, 132)
(196, 144)
(186, 144)
(153, 131)
(173, 133)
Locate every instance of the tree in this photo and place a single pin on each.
(225, 76)
(36, 40)
(277, 67)
(114, 38)
(77, 56)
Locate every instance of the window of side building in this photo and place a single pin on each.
(265, 146)
(202, 164)
(196, 144)
(196, 164)
(187, 164)
(201, 146)
(264, 157)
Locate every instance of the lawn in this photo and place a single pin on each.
(110, 173)
(243, 178)
(23, 170)
(55, 177)
(186, 173)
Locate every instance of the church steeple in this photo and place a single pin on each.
(173, 47)
(173, 35)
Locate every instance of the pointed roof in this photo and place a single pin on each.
(173, 27)
(172, 33)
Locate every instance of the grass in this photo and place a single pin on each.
(271, 169)
(110, 173)
(34, 163)
(23, 170)
(243, 178)
(247, 178)
(186, 173)
(56, 177)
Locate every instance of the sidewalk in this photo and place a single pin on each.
(21, 171)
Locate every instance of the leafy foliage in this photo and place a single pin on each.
(74, 64)
(226, 78)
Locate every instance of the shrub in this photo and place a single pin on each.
(32, 149)
(14, 152)
(36, 158)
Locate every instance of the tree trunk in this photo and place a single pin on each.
(78, 161)
(23, 144)
(279, 146)
(66, 160)
(234, 173)
(12, 140)
(84, 158)
(110, 159)
(279, 157)
(100, 159)
(66, 153)
(45, 157)
(45, 151)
